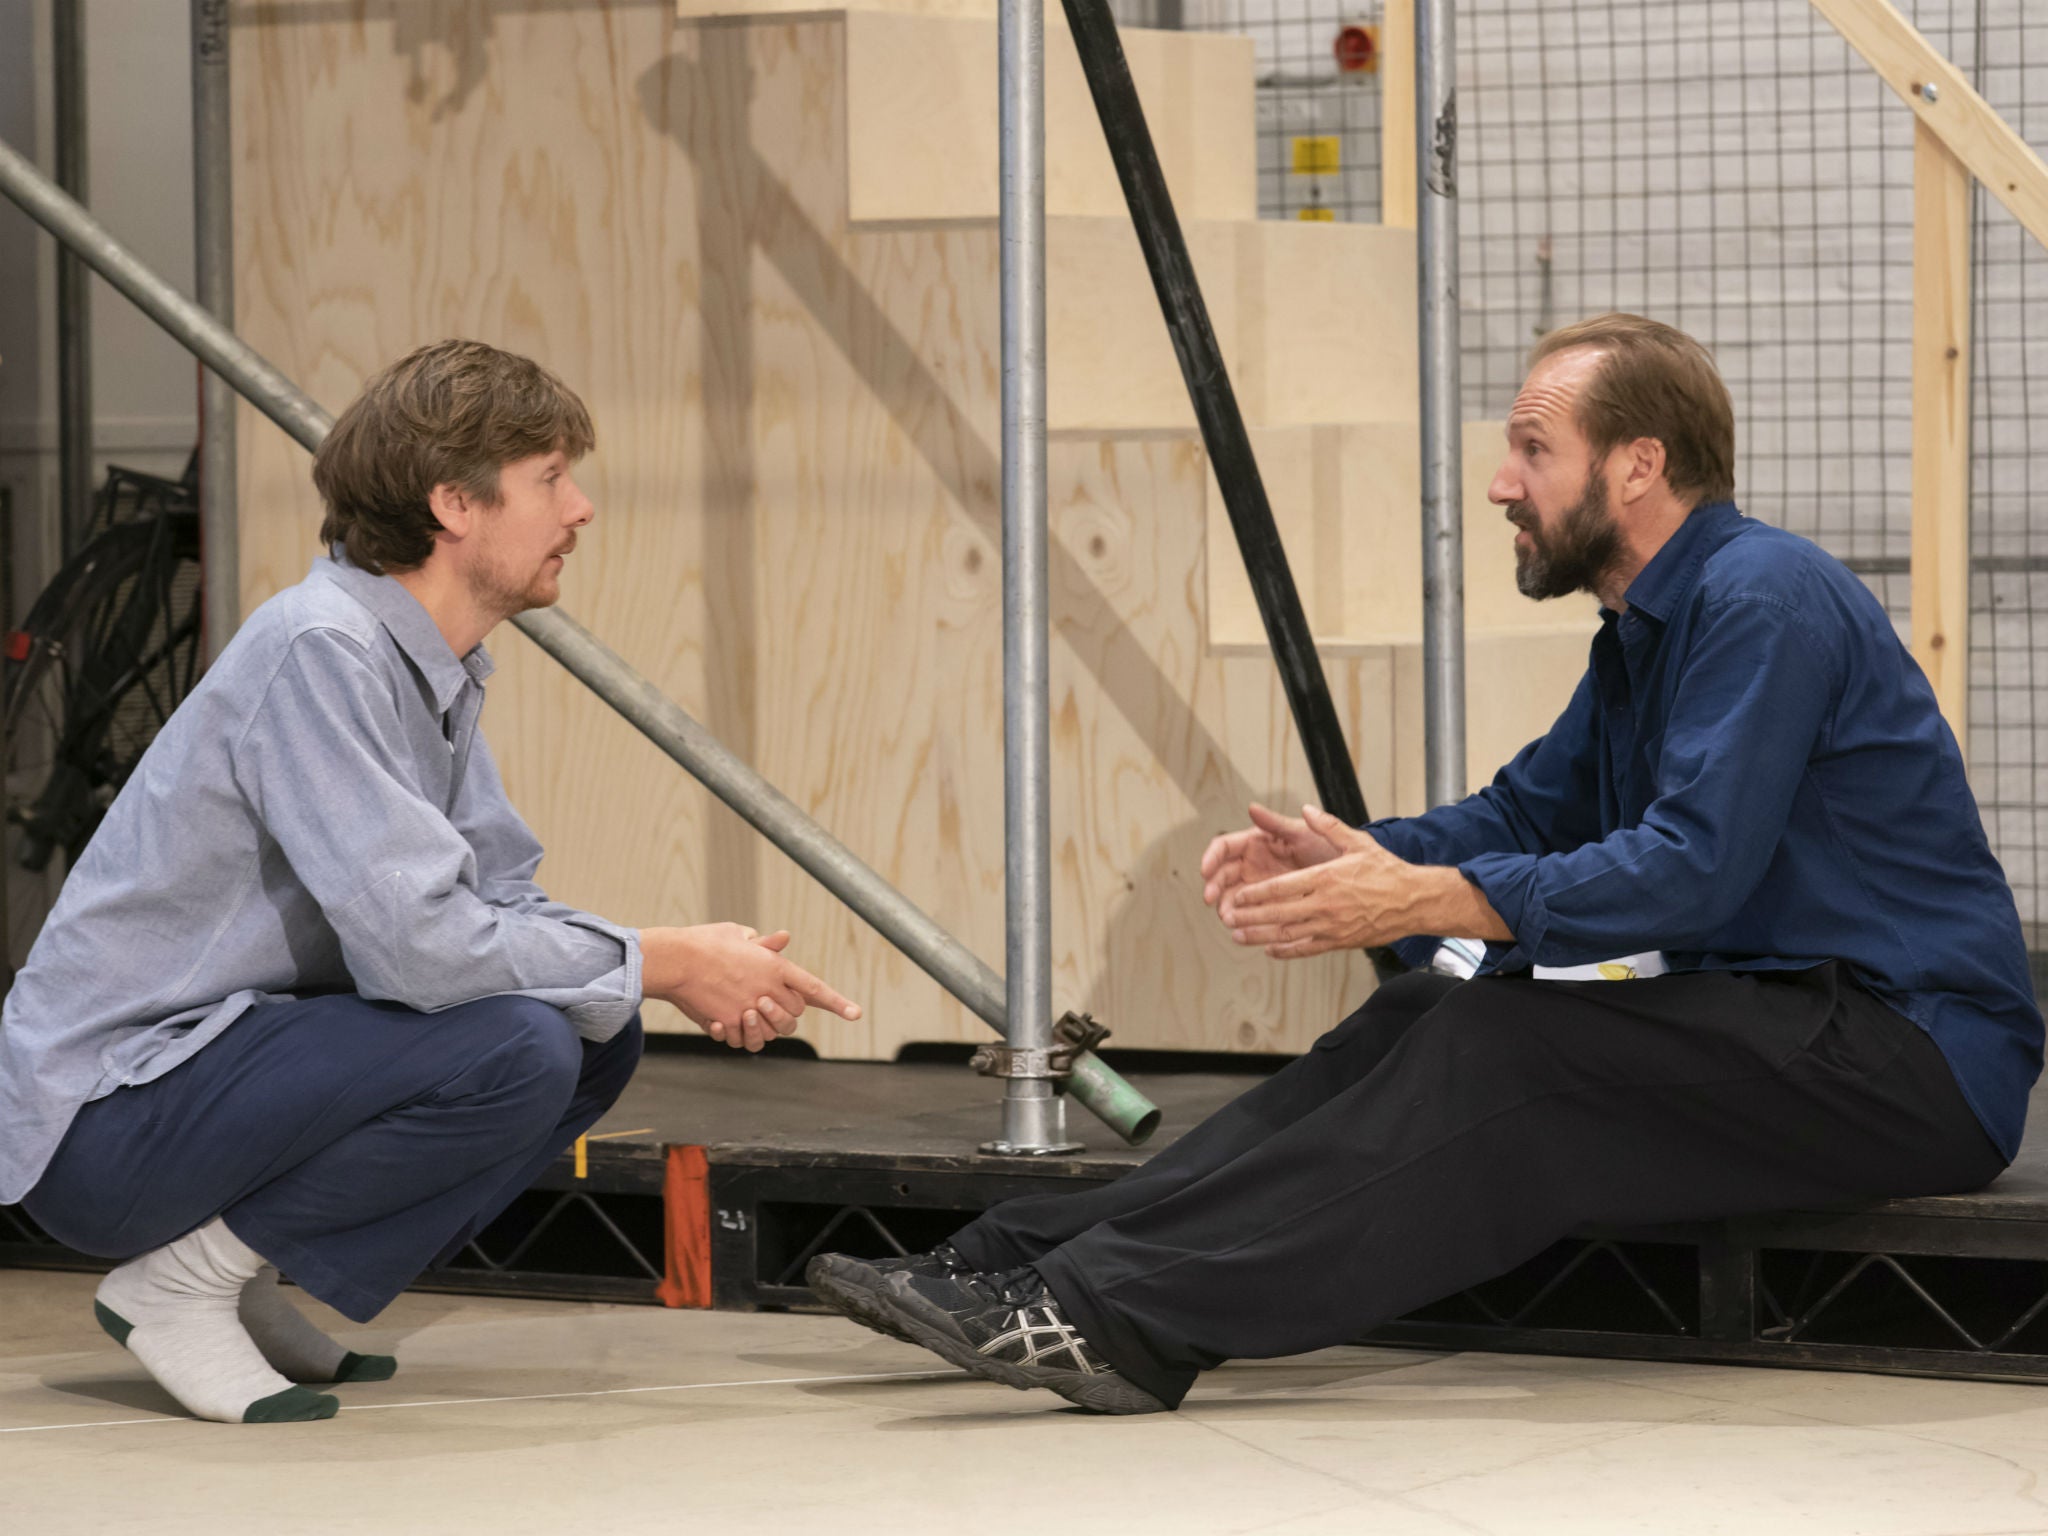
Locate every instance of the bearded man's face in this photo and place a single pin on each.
(1569, 551)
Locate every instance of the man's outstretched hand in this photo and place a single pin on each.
(733, 983)
(1300, 888)
(1272, 845)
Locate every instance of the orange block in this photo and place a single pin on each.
(686, 1229)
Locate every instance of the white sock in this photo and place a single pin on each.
(175, 1310)
(292, 1344)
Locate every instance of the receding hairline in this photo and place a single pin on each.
(1593, 358)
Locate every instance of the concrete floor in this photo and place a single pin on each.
(510, 1417)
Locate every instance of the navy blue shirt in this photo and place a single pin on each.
(1753, 775)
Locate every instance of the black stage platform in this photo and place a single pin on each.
(717, 1176)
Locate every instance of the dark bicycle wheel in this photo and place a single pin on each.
(107, 652)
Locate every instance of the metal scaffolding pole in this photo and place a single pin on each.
(944, 958)
(1443, 452)
(213, 228)
(74, 286)
(1034, 1113)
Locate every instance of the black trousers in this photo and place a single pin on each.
(1447, 1132)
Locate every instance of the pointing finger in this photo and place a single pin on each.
(802, 981)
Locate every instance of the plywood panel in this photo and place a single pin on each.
(1326, 313)
(1348, 502)
(1515, 688)
(921, 121)
(1110, 365)
(796, 482)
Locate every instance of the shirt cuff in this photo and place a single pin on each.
(1508, 882)
(1397, 835)
(616, 995)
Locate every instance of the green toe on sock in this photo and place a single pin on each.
(115, 1324)
(355, 1367)
(294, 1405)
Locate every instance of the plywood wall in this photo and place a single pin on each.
(797, 482)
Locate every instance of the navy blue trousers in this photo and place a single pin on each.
(353, 1144)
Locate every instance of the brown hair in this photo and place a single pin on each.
(1655, 381)
(453, 413)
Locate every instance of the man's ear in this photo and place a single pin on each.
(1642, 468)
(453, 508)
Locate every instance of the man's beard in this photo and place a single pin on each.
(502, 592)
(1574, 558)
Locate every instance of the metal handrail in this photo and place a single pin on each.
(944, 958)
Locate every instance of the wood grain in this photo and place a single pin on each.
(921, 121)
(1941, 424)
(1348, 501)
(796, 477)
(1965, 122)
(1397, 114)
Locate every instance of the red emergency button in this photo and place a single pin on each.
(1358, 50)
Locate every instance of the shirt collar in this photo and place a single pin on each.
(411, 626)
(1662, 584)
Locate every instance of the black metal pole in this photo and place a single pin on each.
(1222, 423)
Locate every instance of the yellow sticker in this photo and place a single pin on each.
(582, 1157)
(1317, 156)
(1317, 215)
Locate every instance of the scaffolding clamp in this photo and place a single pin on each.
(1073, 1036)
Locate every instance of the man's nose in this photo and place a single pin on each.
(1507, 486)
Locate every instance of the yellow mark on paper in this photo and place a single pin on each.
(1614, 970)
(1317, 155)
(1317, 215)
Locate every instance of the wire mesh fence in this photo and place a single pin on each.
(1734, 168)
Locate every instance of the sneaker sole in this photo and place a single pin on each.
(931, 1328)
(835, 1280)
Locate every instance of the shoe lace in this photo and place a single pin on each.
(1017, 1288)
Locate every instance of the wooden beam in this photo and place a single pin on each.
(1397, 114)
(1941, 424)
(1966, 123)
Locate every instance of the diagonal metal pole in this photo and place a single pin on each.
(941, 956)
(1216, 410)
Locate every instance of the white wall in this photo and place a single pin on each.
(140, 185)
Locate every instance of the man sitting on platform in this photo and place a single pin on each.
(1752, 794)
(301, 1003)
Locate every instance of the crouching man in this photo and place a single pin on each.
(1751, 794)
(301, 1006)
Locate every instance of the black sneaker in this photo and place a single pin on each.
(845, 1283)
(1007, 1328)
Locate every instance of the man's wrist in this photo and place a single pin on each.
(1446, 902)
(664, 960)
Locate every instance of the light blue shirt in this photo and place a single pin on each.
(320, 815)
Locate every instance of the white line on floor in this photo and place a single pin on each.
(530, 1397)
